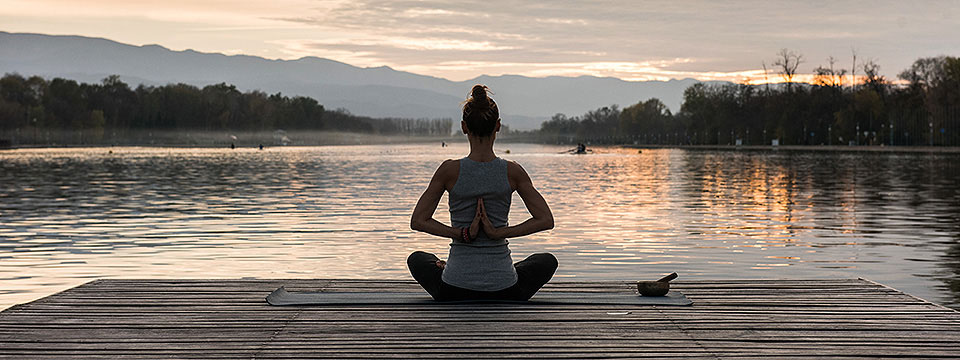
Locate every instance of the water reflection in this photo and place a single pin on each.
(70, 215)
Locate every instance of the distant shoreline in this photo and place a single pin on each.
(217, 139)
(830, 148)
(348, 139)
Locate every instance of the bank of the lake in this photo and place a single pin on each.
(211, 139)
(828, 148)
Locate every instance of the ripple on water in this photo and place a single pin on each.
(70, 215)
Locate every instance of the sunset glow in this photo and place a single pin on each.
(462, 40)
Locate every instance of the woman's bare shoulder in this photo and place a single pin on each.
(449, 169)
(514, 167)
(516, 174)
(449, 164)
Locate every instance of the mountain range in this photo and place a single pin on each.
(375, 91)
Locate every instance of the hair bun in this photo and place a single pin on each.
(479, 94)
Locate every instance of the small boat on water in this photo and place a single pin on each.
(581, 149)
(576, 152)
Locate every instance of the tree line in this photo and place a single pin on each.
(922, 107)
(112, 106)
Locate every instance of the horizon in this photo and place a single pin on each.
(455, 41)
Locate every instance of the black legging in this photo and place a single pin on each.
(532, 273)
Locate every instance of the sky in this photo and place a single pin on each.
(459, 40)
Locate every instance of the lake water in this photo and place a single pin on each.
(68, 216)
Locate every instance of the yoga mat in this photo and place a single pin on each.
(281, 296)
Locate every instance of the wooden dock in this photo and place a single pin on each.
(229, 319)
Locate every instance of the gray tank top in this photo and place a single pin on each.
(484, 264)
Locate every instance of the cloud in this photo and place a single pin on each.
(720, 40)
(408, 43)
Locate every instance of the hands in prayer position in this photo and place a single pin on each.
(492, 232)
(481, 221)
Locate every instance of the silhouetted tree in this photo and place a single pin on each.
(788, 61)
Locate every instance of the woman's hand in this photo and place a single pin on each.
(488, 228)
(472, 230)
(475, 225)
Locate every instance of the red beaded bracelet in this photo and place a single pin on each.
(465, 234)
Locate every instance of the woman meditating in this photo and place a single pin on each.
(480, 188)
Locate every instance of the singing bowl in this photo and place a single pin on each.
(653, 288)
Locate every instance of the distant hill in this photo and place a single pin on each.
(378, 91)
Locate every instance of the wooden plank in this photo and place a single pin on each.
(202, 318)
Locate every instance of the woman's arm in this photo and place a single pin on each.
(542, 218)
(422, 218)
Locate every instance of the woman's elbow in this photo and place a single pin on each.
(415, 224)
(548, 223)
